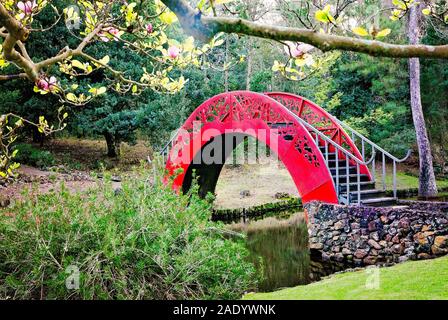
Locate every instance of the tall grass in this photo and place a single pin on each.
(144, 242)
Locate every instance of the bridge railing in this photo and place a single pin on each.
(323, 140)
(365, 144)
(165, 152)
(327, 142)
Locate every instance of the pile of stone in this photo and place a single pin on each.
(359, 236)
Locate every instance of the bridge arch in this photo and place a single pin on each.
(241, 113)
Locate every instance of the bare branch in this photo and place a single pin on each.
(205, 27)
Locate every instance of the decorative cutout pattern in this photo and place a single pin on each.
(246, 106)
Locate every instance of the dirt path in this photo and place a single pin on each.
(253, 184)
(44, 181)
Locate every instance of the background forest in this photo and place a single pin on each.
(372, 94)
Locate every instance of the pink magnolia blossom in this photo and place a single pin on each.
(149, 28)
(26, 8)
(46, 84)
(298, 49)
(109, 30)
(173, 52)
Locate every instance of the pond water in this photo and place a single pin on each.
(279, 249)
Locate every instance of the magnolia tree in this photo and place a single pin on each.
(139, 26)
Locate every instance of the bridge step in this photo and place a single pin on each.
(380, 202)
(343, 170)
(367, 194)
(352, 178)
(366, 185)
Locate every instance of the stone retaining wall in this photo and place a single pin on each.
(359, 236)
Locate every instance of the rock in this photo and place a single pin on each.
(325, 257)
(372, 226)
(396, 239)
(425, 228)
(4, 202)
(346, 251)
(441, 241)
(357, 262)
(116, 179)
(422, 237)
(372, 243)
(375, 236)
(403, 259)
(397, 249)
(383, 243)
(336, 233)
(339, 225)
(316, 246)
(339, 257)
(423, 256)
(392, 231)
(245, 194)
(369, 260)
(282, 195)
(354, 226)
(440, 245)
(438, 251)
(361, 253)
(336, 249)
(403, 224)
(118, 191)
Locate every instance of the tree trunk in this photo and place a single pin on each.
(249, 63)
(113, 147)
(226, 71)
(427, 181)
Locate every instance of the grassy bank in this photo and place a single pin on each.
(416, 280)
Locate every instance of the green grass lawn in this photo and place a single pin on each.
(405, 181)
(416, 280)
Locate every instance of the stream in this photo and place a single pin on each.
(279, 249)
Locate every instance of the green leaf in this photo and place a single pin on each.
(360, 31)
(383, 33)
(78, 64)
(71, 97)
(168, 17)
(321, 16)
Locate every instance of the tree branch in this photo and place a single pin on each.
(205, 27)
(4, 77)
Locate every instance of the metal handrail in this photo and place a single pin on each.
(371, 143)
(166, 149)
(384, 153)
(348, 154)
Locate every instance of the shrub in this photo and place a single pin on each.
(28, 154)
(141, 242)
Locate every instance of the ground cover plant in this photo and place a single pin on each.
(137, 242)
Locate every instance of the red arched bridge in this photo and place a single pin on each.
(327, 160)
